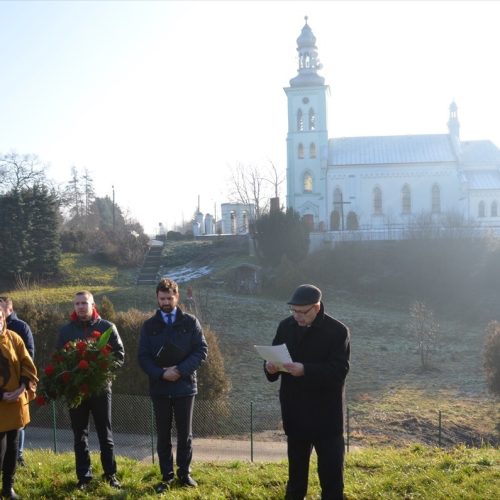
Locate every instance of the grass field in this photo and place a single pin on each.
(415, 472)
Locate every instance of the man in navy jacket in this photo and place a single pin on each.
(171, 348)
(312, 392)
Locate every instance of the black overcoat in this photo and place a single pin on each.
(313, 405)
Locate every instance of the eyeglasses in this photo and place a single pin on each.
(300, 313)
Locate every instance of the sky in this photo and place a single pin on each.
(160, 100)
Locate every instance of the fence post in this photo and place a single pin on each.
(54, 426)
(348, 430)
(439, 430)
(251, 431)
(152, 432)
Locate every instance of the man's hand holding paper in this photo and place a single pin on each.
(275, 355)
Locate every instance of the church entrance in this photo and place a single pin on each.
(335, 220)
(309, 220)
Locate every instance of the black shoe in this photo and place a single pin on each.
(21, 462)
(112, 481)
(10, 494)
(165, 485)
(188, 481)
(83, 483)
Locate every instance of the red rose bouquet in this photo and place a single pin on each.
(82, 368)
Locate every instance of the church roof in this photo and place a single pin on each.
(479, 152)
(483, 180)
(396, 149)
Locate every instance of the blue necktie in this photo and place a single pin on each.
(169, 319)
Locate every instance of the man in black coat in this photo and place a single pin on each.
(84, 322)
(312, 392)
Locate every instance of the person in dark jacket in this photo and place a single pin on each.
(312, 392)
(171, 348)
(22, 328)
(84, 321)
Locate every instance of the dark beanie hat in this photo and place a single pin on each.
(305, 295)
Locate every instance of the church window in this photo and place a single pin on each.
(312, 120)
(436, 199)
(312, 150)
(406, 199)
(481, 212)
(308, 182)
(300, 121)
(301, 151)
(377, 201)
(494, 209)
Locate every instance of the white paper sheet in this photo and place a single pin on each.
(276, 354)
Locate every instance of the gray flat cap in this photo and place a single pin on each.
(305, 295)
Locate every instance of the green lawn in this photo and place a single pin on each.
(415, 472)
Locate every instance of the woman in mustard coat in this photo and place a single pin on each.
(17, 387)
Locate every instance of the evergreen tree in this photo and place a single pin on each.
(281, 233)
(29, 237)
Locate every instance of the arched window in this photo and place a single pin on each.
(435, 199)
(300, 152)
(494, 209)
(312, 120)
(308, 182)
(312, 150)
(377, 201)
(300, 121)
(481, 212)
(406, 199)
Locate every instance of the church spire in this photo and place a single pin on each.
(453, 124)
(308, 60)
(454, 129)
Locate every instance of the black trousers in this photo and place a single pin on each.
(330, 453)
(9, 442)
(166, 410)
(100, 407)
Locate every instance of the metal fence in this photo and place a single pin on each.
(225, 430)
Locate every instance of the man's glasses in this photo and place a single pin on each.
(300, 313)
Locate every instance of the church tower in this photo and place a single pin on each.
(307, 138)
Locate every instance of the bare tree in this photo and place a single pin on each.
(425, 329)
(252, 185)
(20, 171)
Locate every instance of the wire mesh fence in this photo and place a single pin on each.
(223, 429)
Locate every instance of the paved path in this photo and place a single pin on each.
(139, 446)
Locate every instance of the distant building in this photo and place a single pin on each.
(368, 184)
(236, 217)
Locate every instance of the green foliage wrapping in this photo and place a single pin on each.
(29, 238)
(491, 361)
(279, 233)
(79, 370)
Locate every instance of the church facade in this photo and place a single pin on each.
(381, 185)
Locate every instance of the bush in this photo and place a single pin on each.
(45, 323)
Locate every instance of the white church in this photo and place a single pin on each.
(380, 187)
